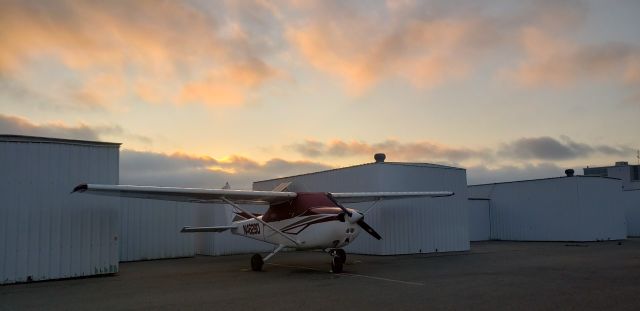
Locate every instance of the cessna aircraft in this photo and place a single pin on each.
(299, 220)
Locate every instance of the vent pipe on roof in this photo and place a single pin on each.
(379, 157)
(569, 172)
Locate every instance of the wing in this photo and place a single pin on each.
(194, 195)
(355, 197)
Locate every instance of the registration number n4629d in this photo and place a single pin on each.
(251, 229)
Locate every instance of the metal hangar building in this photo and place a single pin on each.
(570, 208)
(47, 233)
(407, 226)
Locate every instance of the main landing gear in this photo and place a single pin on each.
(338, 258)
(257, 261)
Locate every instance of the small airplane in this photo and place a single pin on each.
(298, 220)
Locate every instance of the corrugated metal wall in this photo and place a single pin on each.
(632, 204)
(409, 225)
(479, 220)
(555, 209)
(150, 229)
(46, 232)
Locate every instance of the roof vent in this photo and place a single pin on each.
(622, 163)
(569, 172)
(379, 157)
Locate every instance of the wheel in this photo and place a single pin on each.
(341, 254)
(336, 265)
(256, 262)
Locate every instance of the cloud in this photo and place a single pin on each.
(183, 170)
(547, 148)
(227, 86)
(523, 149)
(395, 150)
(363, 45)
(558, 62)
(106, 54)
(106, 51)
(20, 126)
(424, 43)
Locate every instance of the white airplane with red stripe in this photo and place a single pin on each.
(298, 220)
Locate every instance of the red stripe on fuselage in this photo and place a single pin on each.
(305, 203)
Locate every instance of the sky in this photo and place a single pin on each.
(201, 93)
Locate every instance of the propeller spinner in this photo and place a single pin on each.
(356, 217)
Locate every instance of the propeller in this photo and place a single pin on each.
(369, 230)
(357, 218)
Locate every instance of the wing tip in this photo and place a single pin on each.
(80, 188)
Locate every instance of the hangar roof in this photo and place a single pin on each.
(548, 178)
(417, 164)
(50, 140)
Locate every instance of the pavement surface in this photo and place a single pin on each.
(495, 275)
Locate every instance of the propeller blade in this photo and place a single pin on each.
(344, 209)
(369, 230)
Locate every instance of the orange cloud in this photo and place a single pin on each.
(363, 48)
(426, 53)
(227, 87)
(552, 61)
(158, 47)
(188, 170)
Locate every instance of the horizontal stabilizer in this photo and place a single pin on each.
(207, 229)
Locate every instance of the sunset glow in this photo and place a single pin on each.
(203, 92)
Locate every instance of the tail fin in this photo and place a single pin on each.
(242, 216)
(282, 187)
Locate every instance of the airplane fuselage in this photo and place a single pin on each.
(319, 231)
(312, 220)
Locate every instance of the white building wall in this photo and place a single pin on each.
(555, 209)
(150, 229)
(602, 209)
(407, 226)
(46, 232)
(479, 220)
(632, 207)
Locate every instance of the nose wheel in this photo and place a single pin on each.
(336, 265)
(339, 257)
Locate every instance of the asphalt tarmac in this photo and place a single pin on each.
(494, 275)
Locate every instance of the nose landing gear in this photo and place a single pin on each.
(338, 260)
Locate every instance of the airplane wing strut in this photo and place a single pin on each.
(259, 220)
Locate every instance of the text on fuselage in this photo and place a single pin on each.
(251, 229)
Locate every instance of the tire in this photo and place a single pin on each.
(341, 254)
(256, 262)
(336, 265)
